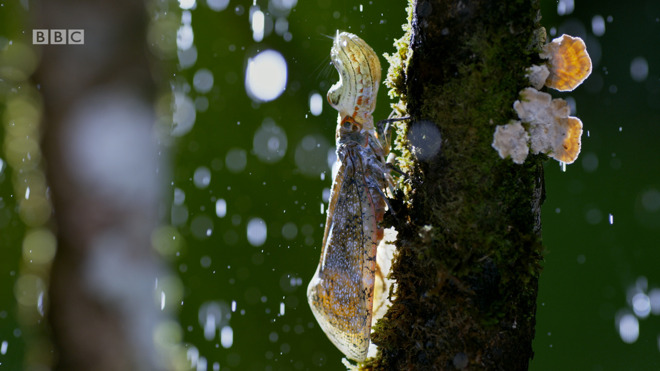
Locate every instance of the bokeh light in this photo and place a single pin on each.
(266, 75)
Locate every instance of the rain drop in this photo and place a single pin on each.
(202, 177)
(178, 215)
(651, 200)
(256, 232)
(281, 26)
(226, 337)
(184, 114)
(184, 37)
(654, 301)
(311, 155)
(425, 138)
(266, 76)
(270, 142)
(258, 20)
(565, 7)
(236, 160)
(179, 196)
(188, 57)
(217, 5)
(639, 69)
(598, 25)
(593, 216)
(289, 231)
(315, 104)
(628, 327)
(590, 162)
(201, 227)
(641, 305)
(203, 80)
(221, 208)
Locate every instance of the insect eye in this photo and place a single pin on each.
(348, 123)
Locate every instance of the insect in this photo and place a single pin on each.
(341, 293)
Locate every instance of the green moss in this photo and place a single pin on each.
(396, 83)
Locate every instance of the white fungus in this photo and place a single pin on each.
(512, 140)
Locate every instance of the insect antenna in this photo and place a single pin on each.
(323, 69)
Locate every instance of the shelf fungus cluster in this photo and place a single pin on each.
(545, 124)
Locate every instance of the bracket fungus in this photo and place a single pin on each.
(512, 140)
(545, 125)
(568, 62)
(551, 129)
(537, 75)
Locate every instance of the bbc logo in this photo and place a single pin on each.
(58, 37)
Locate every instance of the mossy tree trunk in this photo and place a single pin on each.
(469, 248)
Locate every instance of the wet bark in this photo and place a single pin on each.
(102, 171)
(469, 248)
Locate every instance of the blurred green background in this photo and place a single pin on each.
(249, 180)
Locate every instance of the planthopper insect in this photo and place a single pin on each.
(341, 293)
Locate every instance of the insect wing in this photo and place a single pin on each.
(341, 292)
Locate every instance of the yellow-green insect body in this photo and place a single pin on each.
(341, 293)
(354, 95)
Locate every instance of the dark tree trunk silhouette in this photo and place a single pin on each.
(469, 246)
(102, 169)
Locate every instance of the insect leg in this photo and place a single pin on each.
(394, 168)
(387, 202)
(384, 130)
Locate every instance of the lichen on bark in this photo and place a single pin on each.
(469, 247)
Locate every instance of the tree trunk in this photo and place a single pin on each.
(102, 167)
(469, 247)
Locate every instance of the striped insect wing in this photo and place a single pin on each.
(341, 292)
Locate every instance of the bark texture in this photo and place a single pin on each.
(469, 248)
(102, 169)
